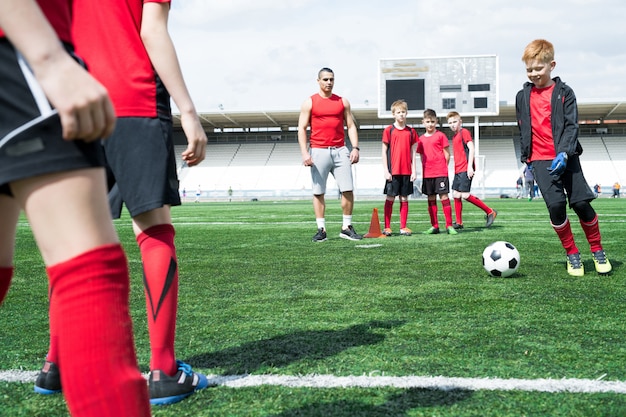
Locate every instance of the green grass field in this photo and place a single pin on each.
(258, 298)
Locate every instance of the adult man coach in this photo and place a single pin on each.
(326, 113)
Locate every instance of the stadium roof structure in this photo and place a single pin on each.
(590, 113)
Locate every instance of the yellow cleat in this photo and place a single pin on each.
(405, 231)
(603, 266)
(574, 265)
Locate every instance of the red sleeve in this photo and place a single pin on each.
(387, 135)
(467, 136)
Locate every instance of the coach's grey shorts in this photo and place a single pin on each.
(140, 155)
(334, 161)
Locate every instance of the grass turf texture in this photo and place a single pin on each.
(257, 296)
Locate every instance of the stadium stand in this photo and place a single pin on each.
(257, 153)
(274, 169)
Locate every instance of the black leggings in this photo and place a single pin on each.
(583, 209)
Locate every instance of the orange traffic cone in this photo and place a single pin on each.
(375, 226)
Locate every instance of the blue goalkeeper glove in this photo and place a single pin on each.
(558, 165)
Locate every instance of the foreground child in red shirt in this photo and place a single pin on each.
(463, 150)
(399, 165)
(547, 116)
(137, 63)
(52, 117)
(434, 149)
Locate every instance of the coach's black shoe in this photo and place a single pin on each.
(49, 379)
(350, 234)
(491, 217)
(320, 236)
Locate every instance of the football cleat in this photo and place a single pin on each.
(601, 262)
(49, 379)
(431, 231)
(575, 266)
(457, 226)
(387, 231)
(405, 231)
(490, 218)
(165, 389)
(451, 230)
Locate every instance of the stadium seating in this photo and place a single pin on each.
(274, 169)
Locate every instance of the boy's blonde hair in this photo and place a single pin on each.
(539, 49)
(453, 114)
(399, 105)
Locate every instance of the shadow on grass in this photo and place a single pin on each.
(396, 405)
(285, 349)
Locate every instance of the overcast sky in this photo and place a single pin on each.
(255, 55)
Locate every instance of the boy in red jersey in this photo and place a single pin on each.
(398, 156)
(434, 149)
(327, 113)
(547, 116)
(51, 166)
(140, 77)
(463, 151)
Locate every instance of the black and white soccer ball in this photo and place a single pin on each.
(501, 259)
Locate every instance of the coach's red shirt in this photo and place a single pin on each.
(327, 119)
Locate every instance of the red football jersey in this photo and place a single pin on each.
(107, 37)
(431, 148)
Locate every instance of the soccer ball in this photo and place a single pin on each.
(501, 259)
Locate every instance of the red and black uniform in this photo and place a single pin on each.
(462, 182)
(400, 156)
(399, 152)
(89, 317)
(461, 150)
(548, 123)
(430, 148)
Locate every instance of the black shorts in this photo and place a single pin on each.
(462, 183)
(571, 186)
(399, 185)
(434, 186)
(140, 156)
(31, 142)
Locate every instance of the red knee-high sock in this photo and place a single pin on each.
(388, 212)
(478, 203)
(89, 307)
(160, 278)
(404, 213)
(592, 232)
(447, 211)
(432, 212)
(564, 231)
(6, 273)
(458, 210)
(53, 351)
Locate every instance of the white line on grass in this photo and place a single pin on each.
(424, 382)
